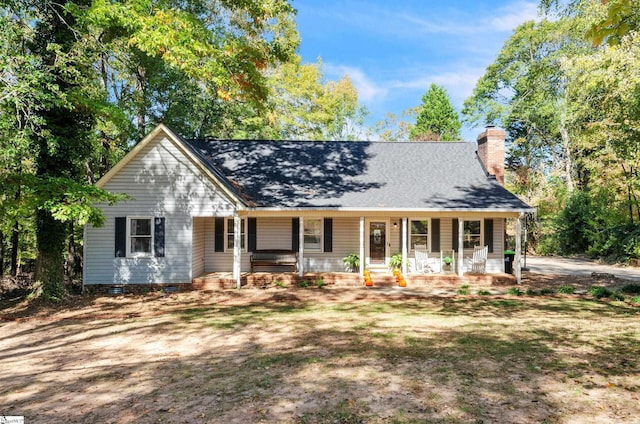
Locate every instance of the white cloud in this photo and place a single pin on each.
(514, 14)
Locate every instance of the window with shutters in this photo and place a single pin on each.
(230, 231)
(472, 235)
(418, 233)
(313, 234)
(140, 236)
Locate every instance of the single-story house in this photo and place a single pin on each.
(201, 206)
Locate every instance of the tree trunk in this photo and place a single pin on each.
(2, 252)
(51, 235)
(568, 160)
(15, 246)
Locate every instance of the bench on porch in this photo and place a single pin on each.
(274, 257)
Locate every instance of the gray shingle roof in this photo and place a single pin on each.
(356, 175)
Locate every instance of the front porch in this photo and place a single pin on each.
(226, 280)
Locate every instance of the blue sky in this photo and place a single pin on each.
(393, 50)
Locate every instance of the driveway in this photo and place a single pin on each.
(578, 266)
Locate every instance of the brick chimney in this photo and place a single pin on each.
(491, 151)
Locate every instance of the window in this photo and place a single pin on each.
(230, 234)
(419, 233)
(471, 236)
(140, 236)
(313, 234)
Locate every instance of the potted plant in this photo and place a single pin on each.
(352, 261)
(447, 261)
(395, 262)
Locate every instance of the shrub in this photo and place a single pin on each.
(566, 289)
(632, 288)
(549, 290)
(464, 289)
(483, 292)
(599, 292)
(616, 295)
(635, 299)
(304, 284)
(279, 283)
(532, 292)
(514, 291)
(319, 282)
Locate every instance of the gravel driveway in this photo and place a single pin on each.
(578, 266)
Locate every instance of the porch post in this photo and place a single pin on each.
(237, 249)
(518, 247)
(405, 259)
(301, 248)
(361, 239)
(460, 247)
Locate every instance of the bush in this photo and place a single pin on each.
(635, 299)
(549, 290)
(599, 292)
(632, 288)
(483, 292)
(514, 291)
(566, 289)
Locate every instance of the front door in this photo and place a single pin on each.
(377, 242)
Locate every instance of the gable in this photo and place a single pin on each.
(161, 175)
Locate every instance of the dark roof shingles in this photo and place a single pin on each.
(358, 175)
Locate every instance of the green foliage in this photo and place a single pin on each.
(319, 282)
(631, 288)
(303, 284)
(483, 292)
(436, 118)
(566, 290)
(352, 261)
(548, 290)
(514, 291)
(464, 289)
(396, 260)
(636, 300)
(599, 292)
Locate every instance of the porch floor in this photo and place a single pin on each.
(224, 280)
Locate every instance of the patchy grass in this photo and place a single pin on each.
(325, 356)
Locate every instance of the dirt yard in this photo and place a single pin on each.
(329, 355)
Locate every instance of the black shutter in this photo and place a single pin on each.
(295, 234)
(121, 237)
(158, 237)
(328, 234)
(488, 234)
(454, 223)
(219, 235)
(435, 235)
(252, 228)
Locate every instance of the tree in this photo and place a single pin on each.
(76, 74)
(436, 118)
(303, 106)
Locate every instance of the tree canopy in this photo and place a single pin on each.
(436, 118)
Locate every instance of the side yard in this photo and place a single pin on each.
(347, 355)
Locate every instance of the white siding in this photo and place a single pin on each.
(345, 241)
(198, 255)
(273, 233)
(162, 182)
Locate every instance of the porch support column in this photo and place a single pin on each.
(460, 247)
(301, 248)
(237, 249)
(361, 239)
(405, 258)
(517, 268)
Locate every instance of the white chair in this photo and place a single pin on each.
(479, 260)
(422, 258)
